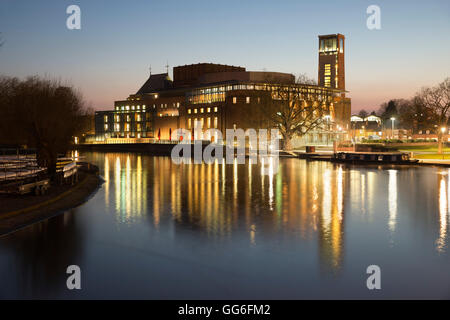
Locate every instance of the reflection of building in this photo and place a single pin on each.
(218, 96)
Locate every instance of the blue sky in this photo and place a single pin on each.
(109, 58)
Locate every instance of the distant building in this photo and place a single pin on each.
(213, 94)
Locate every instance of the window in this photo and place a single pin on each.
(208, 110)
(117, 118)
(128, 118)
(201, 122)
(178, 104)
(189, 111)
(201, 110)
(327, 75)
(208, 123)
(247, 100)
(132, 107)
(116, 127)
(259, 100)
(215, 109)
(195, 110)
(127, 127)
(106, 127)
(127, 107)
(215, 122)
(105, 118)
(234, 100)
(189, 123)
(143, 107)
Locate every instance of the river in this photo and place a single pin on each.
(157, 230)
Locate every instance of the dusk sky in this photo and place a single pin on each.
(109, 58)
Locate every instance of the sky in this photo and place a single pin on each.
(109, 57)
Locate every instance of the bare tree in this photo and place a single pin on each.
(294, 109)
(437, 101)
(303, 78)
(42, 114)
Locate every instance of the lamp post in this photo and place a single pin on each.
(392, 119)
(440, 141)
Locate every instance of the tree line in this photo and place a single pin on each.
(43, 114)
(428, 109)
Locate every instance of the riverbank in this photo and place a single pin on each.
(19, 211)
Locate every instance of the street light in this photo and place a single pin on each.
(392, 119)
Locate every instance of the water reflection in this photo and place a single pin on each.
(392, 190)
(444, 211)
(300, 222)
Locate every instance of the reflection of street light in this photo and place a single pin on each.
(392, 119)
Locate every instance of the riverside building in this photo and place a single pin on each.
(221, 96)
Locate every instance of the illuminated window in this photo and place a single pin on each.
(105, 118)
(178, 104)
(117, 118)
(201, 122)
(189, 111)
(127, 127)
(128, 118)
(208, 110)
(132, 107)
(116, 127)
(195, 110)
(247, 100)
(327, 75)
(208, 123)
(215, 122)
(106, 127)
(201, 110)
(127, 107)
(215, 109)
(234, 100)
(189, 123)
(143, 107)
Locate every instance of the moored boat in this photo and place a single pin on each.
(373, 157)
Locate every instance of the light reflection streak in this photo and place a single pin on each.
(392, 190)
(443, 211)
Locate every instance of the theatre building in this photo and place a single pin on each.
(222, 97)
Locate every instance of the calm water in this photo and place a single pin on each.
(159, 230)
